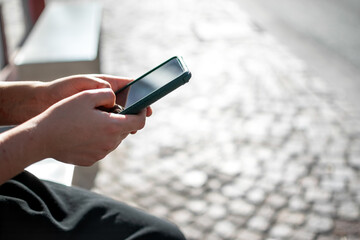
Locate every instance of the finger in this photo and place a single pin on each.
(101, 97)
(68, 86)
(130, 123)
(95, 82)
(86, 82)
(115, 82)
(149, 111)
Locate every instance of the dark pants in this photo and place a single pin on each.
(34, 209)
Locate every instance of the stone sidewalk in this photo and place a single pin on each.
(254, 147)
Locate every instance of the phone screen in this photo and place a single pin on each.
(153, 81)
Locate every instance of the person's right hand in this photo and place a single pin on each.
(74, 131)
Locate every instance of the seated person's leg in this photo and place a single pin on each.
(43, 210)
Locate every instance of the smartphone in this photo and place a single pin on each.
(153, 85)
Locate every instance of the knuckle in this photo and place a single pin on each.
(86, 94)
(108, 94)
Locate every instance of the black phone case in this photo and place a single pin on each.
(159, 93)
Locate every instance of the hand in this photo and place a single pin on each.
(60, 120)
(21, 101)
(68, 86)
(74, 131)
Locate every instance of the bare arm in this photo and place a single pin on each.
(19, 148)
(72, 130)
(20, 101)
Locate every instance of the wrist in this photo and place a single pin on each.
(43, 96)
(19, 148)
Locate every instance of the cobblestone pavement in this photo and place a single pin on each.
(253, 147)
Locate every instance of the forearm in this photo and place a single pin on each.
(19, 148)
(20, 101)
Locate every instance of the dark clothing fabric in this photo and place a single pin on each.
(35, 209)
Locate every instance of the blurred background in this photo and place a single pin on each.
(263, 143)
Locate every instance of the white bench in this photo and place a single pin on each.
(64, 41)
(52, 170)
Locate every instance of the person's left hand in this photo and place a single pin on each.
(68, 86)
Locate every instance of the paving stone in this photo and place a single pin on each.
(232, 191)
(231, 168)
(290, 190)
(204, 222)
(195, 179)
(327, 237)
(256, 196)
(241, 207)
(325, 209)
(303, 234)
(318, 224)
(175, 202)
(216, 211)
(191, 232)
(258, 126)
(294, 171)
(354, 158)
(238, 221)
(266, 212)
(211, 236)
(266, 185)
(225, 229)
(182, 216)
(349, 211)
(297, 204)
(246, 234)
(178, 186)
(197, 206)
(244, 184)
(344, 196)
(317, 195)
(276, 201)
(195, 192)
(294, 147)
(259, 223)
(335, 185)
(147, 202)
(309, 181)
(216, 198)
(357, 198)
(280, 130)
(214, 184)
(159, 210)
(281, 231)
(291, 218)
